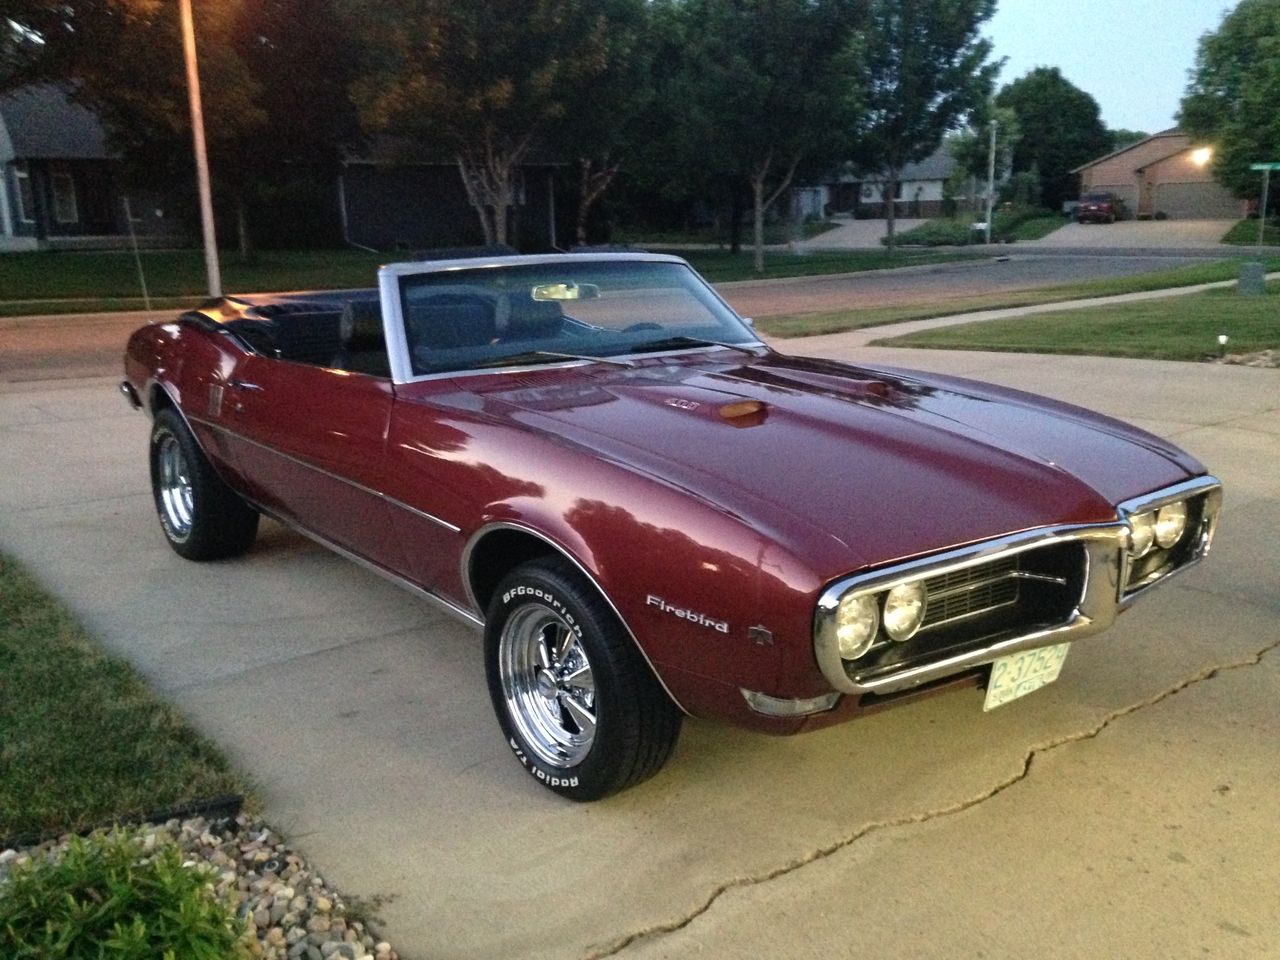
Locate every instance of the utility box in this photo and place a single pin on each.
(1253, 279)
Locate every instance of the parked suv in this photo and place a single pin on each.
(1100, 208)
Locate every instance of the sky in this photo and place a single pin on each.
(1131, 55)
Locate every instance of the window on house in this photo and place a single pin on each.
(64, 198)
(26, 198)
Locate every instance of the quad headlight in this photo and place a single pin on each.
(859, 618)
(1144, 534)
(857, 623)
(1161, 528)
(1171, 523)
(904, 611)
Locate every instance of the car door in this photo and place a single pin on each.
(310, 443)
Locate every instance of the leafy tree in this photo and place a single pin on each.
(608, 113)
(971, 149)
(1121, 138)
(924, 69)
(485, 82)
(273, 83)
(1061, 130)
(1232, 98)
(764, 91)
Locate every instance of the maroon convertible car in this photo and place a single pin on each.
(647, 510)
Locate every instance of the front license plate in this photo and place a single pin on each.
(1022, 673)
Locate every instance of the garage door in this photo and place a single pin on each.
(1197, 201)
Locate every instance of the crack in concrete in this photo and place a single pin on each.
(906, 820)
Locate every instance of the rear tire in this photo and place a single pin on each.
(578, 705)
(202, 517)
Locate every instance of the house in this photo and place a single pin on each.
(60, 181)
(920, 192)
(62, 187)
(392, 196)
(1166, 174)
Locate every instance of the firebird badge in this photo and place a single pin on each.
(701, 619)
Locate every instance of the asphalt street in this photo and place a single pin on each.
(1128, 810)
(42, 348)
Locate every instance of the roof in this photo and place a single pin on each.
(42, 123)
(937, 166)
(1171, 132)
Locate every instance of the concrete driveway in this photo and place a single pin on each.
(1138, 235)
(1129, 810)
(856, 235)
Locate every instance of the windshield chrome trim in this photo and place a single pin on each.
(566, 364)
(389, 291)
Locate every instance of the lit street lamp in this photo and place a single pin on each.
(202, 159)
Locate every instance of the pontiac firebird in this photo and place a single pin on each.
(647, 510)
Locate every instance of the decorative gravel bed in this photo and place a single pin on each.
(292, 913)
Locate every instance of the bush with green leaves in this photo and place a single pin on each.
(106, 897)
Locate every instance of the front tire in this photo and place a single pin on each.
(577, 703)
(202, 517)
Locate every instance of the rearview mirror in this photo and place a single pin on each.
(566, 291)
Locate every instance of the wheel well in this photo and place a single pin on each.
(497, 554)
(158, 399)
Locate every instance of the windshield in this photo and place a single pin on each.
(544, 313)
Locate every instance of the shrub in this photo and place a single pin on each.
(108, 898)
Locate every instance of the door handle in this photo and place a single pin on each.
(242, 385)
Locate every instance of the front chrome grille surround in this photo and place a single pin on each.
(1019, 592)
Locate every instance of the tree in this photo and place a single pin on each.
(1061, 130)
(971, 148)
(485, 82)
(764, 93)
(272, 72)
(924, 69)
(1231, 101)
(607, 112)
(1121, 138)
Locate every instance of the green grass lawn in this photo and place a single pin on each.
(82, 738)
(1245, 233)
(720, 266)
(773, 233)
(1186, 328)
(835, 321)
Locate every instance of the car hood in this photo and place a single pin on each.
(859, 465)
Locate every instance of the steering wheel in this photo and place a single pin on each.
(644, 325)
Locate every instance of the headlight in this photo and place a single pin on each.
(857, 620)
(1144, 534)
(904, 611)
(1171, 523)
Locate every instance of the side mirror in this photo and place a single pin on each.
(749, 322)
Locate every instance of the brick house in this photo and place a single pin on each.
(1164, 174)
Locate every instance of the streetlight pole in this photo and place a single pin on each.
(202, 159)
(991, 178)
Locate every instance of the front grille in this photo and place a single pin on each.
(972, 591)
(966, 608)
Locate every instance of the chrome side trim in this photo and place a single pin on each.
(1096, 609)
(446, 606)
(465, 575)
(392, 501)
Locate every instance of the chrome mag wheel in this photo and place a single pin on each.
(548, 685)
(176, 498)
